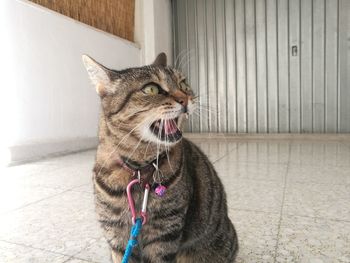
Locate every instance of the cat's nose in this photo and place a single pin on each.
(181, 98)
(184, 107)
(184, 103)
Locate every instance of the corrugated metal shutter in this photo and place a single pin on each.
(266, 66)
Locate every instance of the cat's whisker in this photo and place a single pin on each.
(205, 95)
(122, 140)
(186, 65)
(135, 148)
(181, 53)
(206, 118)
(117, 147)
(206, 107)
(177, 58)
(159, 139)
(167, 151)
(202, 117)
(144, 156)
(141, 139)
(206, 113)
(203, 110)
(187, 56)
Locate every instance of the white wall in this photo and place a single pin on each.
(47, 101)
(153, 29)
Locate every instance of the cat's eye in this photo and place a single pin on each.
(151, 89)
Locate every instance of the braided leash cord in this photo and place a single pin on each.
(135, 231)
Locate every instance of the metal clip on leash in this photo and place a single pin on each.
(143, 213)
(137, 222)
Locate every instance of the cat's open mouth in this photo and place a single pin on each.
(166, 130)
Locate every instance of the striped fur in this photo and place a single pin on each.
(189, 223)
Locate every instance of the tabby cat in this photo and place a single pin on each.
(139, 130)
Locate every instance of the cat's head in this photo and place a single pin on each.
(149, 102)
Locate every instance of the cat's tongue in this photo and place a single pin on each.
(170, 127)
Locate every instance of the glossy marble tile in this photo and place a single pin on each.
(24, 170)
(233, 171)
(72, 159)
(16, 195)
(261, 152)
(70, 166)
(86, 188)
(216, 149)
(320, 154)
(65, 178)
(322, 174)
(257, 235)
(261, 196)
(64, 224)
(303, 239)
(13, 253)
(78, 260)
(96, 251)
(318, 200)
(28, 185)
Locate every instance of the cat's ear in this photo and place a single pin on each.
(160, 60)
(99, 75)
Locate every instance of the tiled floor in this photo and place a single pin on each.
(289, 200)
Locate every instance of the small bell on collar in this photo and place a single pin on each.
(158, 178)
(160, 190)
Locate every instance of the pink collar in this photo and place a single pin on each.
(145, 171)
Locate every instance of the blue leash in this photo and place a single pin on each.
(135, 231)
